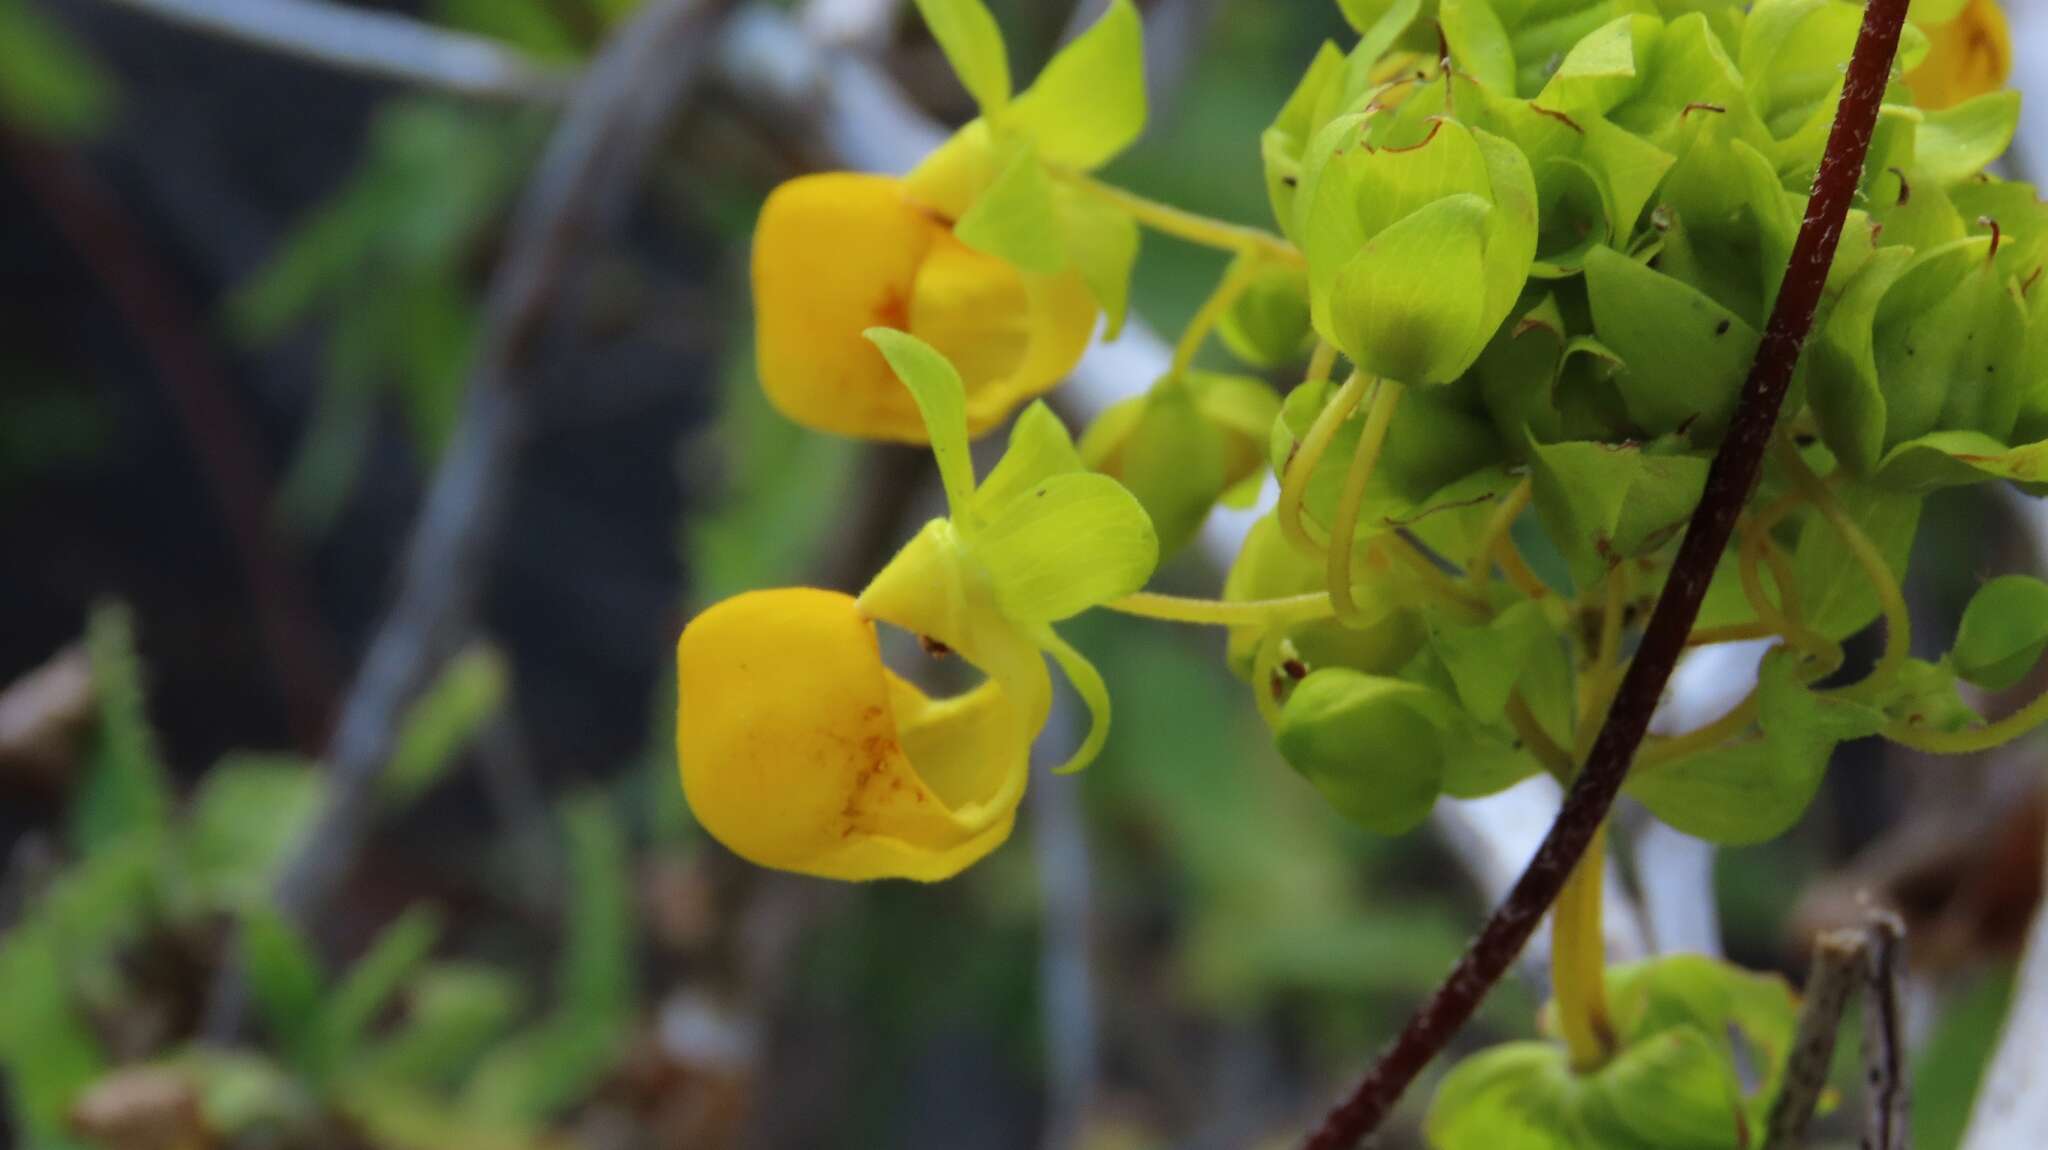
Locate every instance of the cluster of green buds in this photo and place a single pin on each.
(1524, 251)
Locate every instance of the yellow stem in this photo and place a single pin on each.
(1731, 633)
(1657, 752)
(1321, 363)
(1448, 591)
(1578, 962)
(1516, 569)
(1225, 613)
(1229, 289)
(1307, 455)
(1537, 741)
(1898, 624)
(1497, 528)
(1604, 677)
(1190, 226)
(1364, 461)
(1971, 739)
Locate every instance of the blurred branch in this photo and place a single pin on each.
(144, 293)
(592, 164)
(373, 43)
(1843, 958)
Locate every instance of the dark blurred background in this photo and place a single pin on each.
(243, 291)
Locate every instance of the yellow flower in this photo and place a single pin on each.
(801, 751)
(1972, 55)
(838, 253)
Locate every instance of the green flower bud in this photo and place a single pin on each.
(2004, 630)
(1183, 446)
(1373, 746)
(1417, 248)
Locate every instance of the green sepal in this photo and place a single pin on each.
(973, 43)
(942, 401)
(1686, 355)
(1039, 448)
(1604, 503)
(1017, 219)
(1755, 789)
(1957, 143)
(1676, 1082)
(1478, 42)
(1268, 326)
(1094, 692)
(1284, 145)
(1373, 746)
(1925, 696)
(1102, 243)
(1485, 661)
(2003, 632)
(1269, 567)
(1069, 543)
(1089, 102)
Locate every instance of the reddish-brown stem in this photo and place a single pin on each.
(1729, 481)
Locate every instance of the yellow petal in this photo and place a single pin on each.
(836, 254)
(1971, 55)
(793, 753)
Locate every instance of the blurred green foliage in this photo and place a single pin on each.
(48, 85)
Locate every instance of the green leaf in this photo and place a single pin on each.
(1686, 354)
(453, 1014)
(973, 43)
(48, 1048)
(1755, 789)
(1094, 692)
(286, 983)
(248, 812)
(1597, 71)
(1069, 543)
(47, 84)
(1479, 42)
(371, 983)
(1675, 1090)
(125, 794)
(1039, 449)
(1836, 598)
(942, 400)
(1957, 143)
(1102, 241)
(1373, 746)
(469, 692)
(1017, 220)
(1089, 103)
(597, 976)
(1516, 1096)
(2003, 632)
(542, 1072)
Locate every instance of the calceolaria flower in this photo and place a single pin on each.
(1972, 52)
(800, 750)
(838, 253)
(993, 251)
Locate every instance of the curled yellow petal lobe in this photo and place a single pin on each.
(838, 253)
(799, 749)
(1972, 55)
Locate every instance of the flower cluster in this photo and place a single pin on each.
(1523, 251)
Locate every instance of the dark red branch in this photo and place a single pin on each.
(1729, 482)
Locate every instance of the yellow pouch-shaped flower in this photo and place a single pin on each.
(838, 253)
(1972, 55)
(801, 751)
